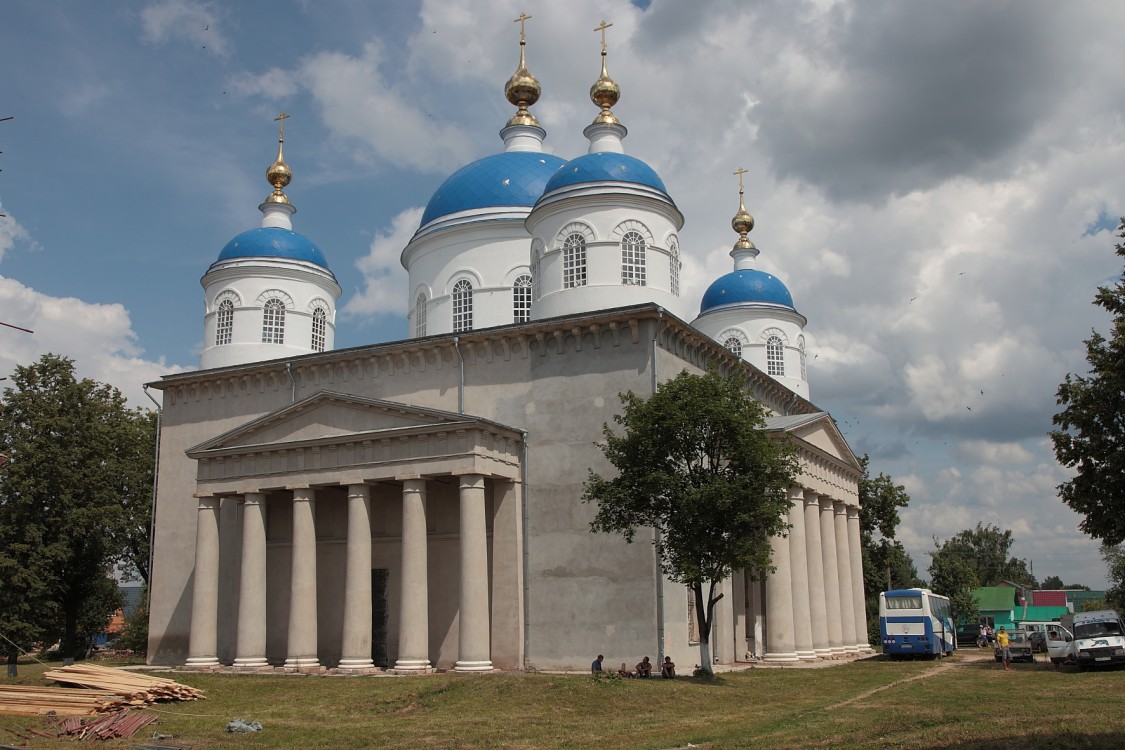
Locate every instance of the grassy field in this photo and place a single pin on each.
(962, 702)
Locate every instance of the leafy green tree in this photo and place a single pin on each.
(1091, 434)
(986, 550)
(65, 497)
(1114, 556)
(1052, 583)
(956, 578)
(695, 463)
(886, 564)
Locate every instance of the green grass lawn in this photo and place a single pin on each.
(965, 704)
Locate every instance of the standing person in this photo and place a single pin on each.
(1005, 651)
(644, 668)
(668, 668)
(596, 665)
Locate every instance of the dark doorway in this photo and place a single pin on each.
(379, 578)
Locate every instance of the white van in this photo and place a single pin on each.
(1089, 639)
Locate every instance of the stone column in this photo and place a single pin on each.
(203, 638)
(355, 639)
(473, 647)
(302, 582)
(251, 646)
(817, 608)
(779, 606)
(831, 579)
(858, 599)
(414, 611)
(799, 574)
(844, 574)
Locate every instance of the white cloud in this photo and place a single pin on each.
(384, 289)
(98, 337)
(10, 233)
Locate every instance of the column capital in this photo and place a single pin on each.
(852, 511)
(253, 498)
(359, 490)
(470, 480)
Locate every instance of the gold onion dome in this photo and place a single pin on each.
(605, 92)
(743, 222)
(279, 174)
(522, 89)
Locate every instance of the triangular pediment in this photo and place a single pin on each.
(328, 414)
(817, 430)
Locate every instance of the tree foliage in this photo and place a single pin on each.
(1052, 583)
(886, 563)
(956, 578)
(1114, 556)
(78, 479)
(695, 464)
(1091, 434)
(985, 549)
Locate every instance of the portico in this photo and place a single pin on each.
(297, 491)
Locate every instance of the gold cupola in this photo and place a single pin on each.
(522, 89)
(743, 223)
(279, 174)
(605, 92)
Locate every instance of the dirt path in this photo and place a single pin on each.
(968, 657)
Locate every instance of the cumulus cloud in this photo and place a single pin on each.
(384, 279)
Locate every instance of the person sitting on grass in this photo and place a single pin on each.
(644, 668)
(668, 668)
(623, 671)
(596, 665)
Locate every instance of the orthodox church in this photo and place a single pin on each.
(416, 505)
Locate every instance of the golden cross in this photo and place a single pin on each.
(281, 118)
(523, 17)
(602, 29)
(740, 171)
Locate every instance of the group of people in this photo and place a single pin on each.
(642, 670)
(987, 637)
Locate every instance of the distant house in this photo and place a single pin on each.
(1054, 598)
(1039, 614)
(997, 605)
(1076, 598)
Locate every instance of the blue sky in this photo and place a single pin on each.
(938, 185)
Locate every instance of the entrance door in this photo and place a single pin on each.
(379, 578)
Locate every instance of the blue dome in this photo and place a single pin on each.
(746, 285)
(511, 178)
(273, 242)
(605, 166)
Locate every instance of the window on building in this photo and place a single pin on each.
(775, 356)
(521, 299)
(574, 261)
(801, 349)
(674, 268)
(420, 316)
(224, 327)
(319, 327)
(633, 259)
(734, 346)
(462, 306)
(273, 322)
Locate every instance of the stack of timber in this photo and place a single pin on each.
(137, 689)
(122, 723)
(27, 700)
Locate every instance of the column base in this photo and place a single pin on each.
(355, 664)
(473, 666)
(851, 649)
(251, 662)
(413, 666)
(838, 650)
(781, 658)
(202, 662)
(301, 662)
(823, 653)
(806, 655)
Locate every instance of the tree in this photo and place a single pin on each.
(695, 464)
(1052, 583)
(1091, 434)
(67, 497)
(1114, 556)
(986, 549)
(955, 577)
(886, 564)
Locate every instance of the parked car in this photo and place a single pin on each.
(1038, 641)
(1018, 646)
(967, 635)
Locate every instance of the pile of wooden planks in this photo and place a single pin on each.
(26, 700)
(122, 723)
(137, 689)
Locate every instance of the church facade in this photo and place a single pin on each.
(416, 505)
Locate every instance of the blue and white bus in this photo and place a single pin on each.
(916, 622)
